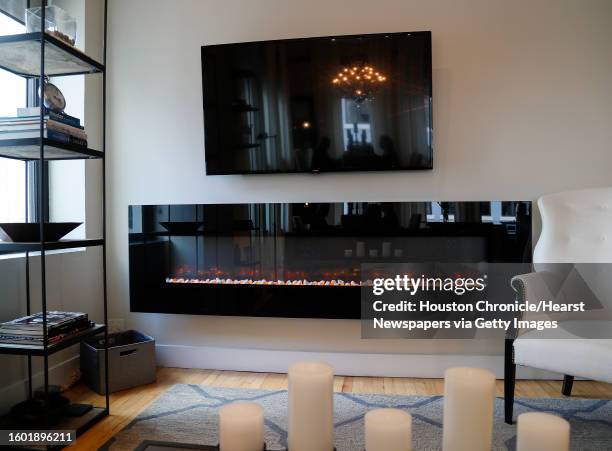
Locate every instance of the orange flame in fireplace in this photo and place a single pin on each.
(278, 282)
(185, 274)
(216, 276)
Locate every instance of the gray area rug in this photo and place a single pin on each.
(188, 414)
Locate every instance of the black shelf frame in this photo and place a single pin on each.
(21, 149)
(49, 245)
(46, 39)
(26, 149)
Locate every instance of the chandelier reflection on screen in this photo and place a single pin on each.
(359, 82)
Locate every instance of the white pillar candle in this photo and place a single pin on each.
(537, 431)
(360, 249)
(311, 407)
(386, 249)
(469, 396)
(241, 427)
(388, 430)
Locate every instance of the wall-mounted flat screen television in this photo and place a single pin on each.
(344, 103)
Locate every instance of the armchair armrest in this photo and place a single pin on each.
(533, 287)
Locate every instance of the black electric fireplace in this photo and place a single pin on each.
(303, 259)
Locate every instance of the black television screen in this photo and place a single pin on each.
(344, 103)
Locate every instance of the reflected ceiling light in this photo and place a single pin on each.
(359, 82)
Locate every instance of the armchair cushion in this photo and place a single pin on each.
(587, 358)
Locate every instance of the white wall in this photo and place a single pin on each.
(522, 107)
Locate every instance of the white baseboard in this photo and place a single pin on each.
(344, 363)
(59, 374)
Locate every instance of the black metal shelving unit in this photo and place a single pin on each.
(34, 56)
(27, 149)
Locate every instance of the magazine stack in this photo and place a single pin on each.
(28, 330)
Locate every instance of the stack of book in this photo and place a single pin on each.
(58, 127)
(29, 329)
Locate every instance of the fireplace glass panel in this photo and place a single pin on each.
(303, 259)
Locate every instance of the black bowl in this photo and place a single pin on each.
(21, 232)
(182, 227)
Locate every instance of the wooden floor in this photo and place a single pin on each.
(125, 405)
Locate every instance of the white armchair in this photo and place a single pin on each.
(576, 228)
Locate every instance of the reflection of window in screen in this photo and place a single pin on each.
(498, 212)
(12, 172)
(508, 210)
(356, 123)
(436, 211)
